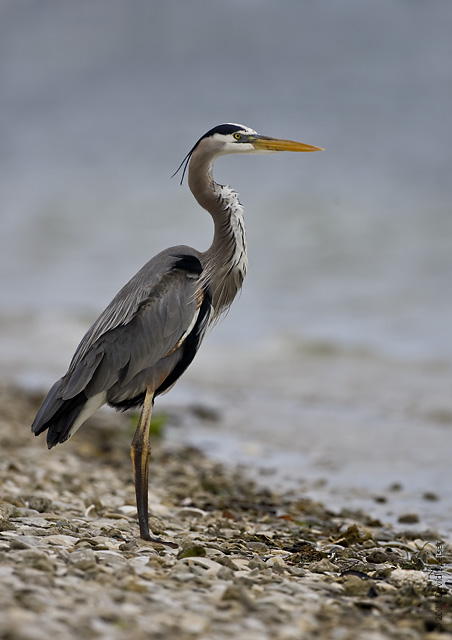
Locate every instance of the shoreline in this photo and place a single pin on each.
(251, 562)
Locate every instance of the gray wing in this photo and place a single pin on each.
(145, 322)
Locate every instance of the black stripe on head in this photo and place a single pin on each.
(223, 129)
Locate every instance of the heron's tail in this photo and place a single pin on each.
(59, 416)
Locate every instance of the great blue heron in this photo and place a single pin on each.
(150, 332)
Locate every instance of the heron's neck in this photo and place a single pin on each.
(225, 262)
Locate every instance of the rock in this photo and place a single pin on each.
(62, 540)
(6, 524)
(258, 547)
(109, 558)
(409, 518)
(239, 594)
(189, 549)
(156, 525)
(83, 559)
(17, 543)
(31, 521)
(39, 503)
(191, 512)
(408, 578)
(193, 623)
(210, 567)
(430, 495)
(226, 561)
(225, 574)
(323, 566)
(354, 586)
(257, 563)
(276, 563)
(127, 510)
(352, 535)
(377, 556)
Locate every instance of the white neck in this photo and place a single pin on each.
(225, 262)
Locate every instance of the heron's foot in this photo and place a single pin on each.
(148, 538)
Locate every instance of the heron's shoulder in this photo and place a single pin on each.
(178, 257)
(169, 278)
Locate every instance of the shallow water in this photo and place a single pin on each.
(347, 427)
(350, 249)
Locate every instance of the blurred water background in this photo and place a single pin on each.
(334, 365)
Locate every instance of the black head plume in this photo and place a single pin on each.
(223, 129)
(184, 164)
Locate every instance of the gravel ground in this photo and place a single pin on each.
(250, 563)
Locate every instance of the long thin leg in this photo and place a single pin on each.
(140, 451)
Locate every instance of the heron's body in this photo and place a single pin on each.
(150, 332)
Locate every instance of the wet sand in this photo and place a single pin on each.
(251, 562)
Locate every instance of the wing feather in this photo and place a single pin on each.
(142, 325)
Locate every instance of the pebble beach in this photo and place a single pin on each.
(245, 561)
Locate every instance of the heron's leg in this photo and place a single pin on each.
(140, 451)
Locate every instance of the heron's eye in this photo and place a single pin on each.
(237, 136)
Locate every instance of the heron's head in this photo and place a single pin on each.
(236, 138)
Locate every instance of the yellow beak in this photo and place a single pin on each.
(277, 144)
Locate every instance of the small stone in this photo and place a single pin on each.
(210, 567)
(238, 593)
(127, 509)
(430, 495)
(226, 561)
(193, 624)
(241, 563)
(83, 559)
(191, 552)
(257, 563)
(39, 503)
(40, 523)
(354, 586)
(156, 525)
(377, 556)
(32, 558)
(191, 512)
(44, 564)
(62, 540)
(30, 602)
(385, 588)
(136, 586)
(352, 535)
(323, 566)
(258, 547)
(188, 549)
(409, 518)
(276, 563)
(408, 577)
(129, 546)
(225, 574)
(109, 558)
(6, 524)
(17, 543)
(182, 576)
